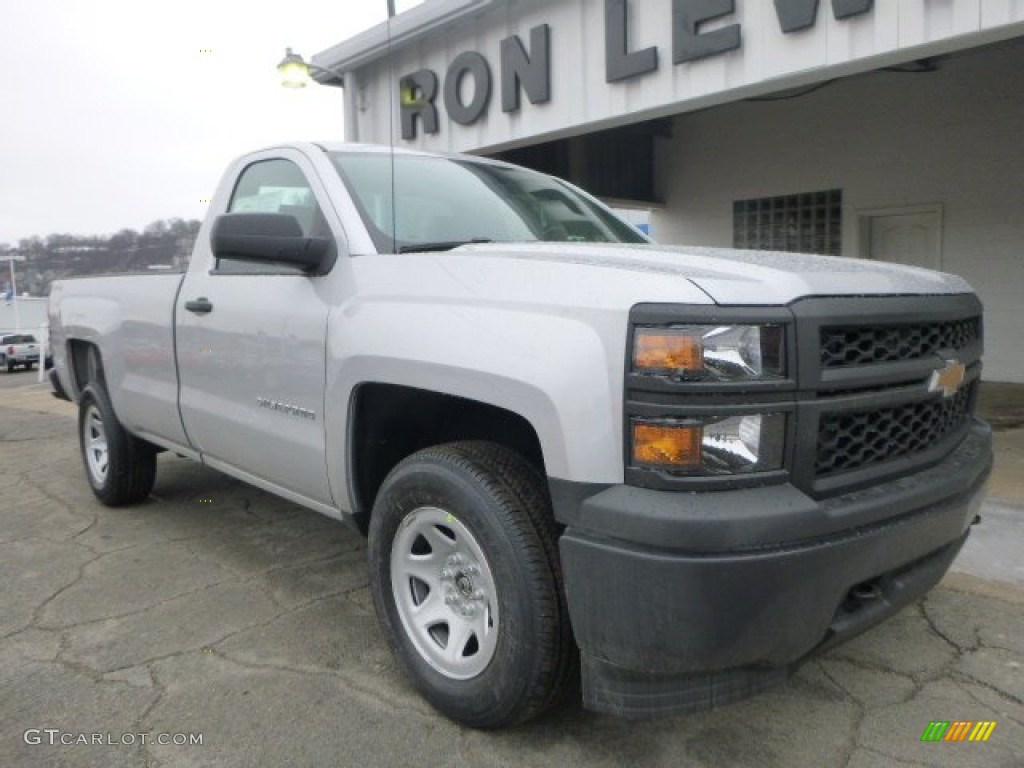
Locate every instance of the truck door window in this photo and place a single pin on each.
(274, 186)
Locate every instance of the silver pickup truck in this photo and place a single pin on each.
(672, 473)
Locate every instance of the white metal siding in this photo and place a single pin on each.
(894, 30)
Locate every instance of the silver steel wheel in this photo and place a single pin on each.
(445, 593)
(94, 444)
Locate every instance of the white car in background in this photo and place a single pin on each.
(18, 349)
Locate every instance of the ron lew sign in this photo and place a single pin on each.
(526, 67)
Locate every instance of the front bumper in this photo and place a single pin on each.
(684, 601)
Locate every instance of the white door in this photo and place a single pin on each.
(913, 238)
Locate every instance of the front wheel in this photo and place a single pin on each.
(121, 469)
(467, 584)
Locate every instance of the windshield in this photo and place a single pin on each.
(444, 202)
(22, 339)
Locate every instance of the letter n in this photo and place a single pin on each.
(530, 71)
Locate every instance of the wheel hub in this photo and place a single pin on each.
(436, 561)
(461, 593)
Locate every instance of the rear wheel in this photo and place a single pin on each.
(120, 468)
(467, 585)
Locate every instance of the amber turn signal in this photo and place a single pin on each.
(666, 446)
(666, 351)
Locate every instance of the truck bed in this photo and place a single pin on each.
(128, 313)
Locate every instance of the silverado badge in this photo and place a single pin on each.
(947, 379)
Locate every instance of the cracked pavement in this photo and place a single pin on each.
(216, 609)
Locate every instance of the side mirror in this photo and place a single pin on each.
(271, 238)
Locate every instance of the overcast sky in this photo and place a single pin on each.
(112, 116)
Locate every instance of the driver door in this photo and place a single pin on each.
(251, 346)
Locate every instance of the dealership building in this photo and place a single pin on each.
(875, 129)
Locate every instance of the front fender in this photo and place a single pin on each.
(562, 374)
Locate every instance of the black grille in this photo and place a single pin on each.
(849, 441)
(863, 345)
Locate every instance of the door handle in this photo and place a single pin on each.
(200, 306)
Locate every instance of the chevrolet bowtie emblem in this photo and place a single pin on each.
(947, 379)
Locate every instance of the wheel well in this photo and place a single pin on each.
(86, 363)
(389, 422)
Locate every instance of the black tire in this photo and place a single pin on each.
(120, 468)
(10, 367)
(501, 502)
(28, 366)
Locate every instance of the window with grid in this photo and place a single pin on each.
(805, 223)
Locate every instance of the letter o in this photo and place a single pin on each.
(467, 63)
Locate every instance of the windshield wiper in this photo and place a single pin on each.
(444, 245)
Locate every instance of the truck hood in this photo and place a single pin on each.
(730, 276)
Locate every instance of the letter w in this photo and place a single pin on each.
(795, 15)
(935, 731)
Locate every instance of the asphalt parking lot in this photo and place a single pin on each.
(218, 611)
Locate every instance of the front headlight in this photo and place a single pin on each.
(711, 352)
(710, 446)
